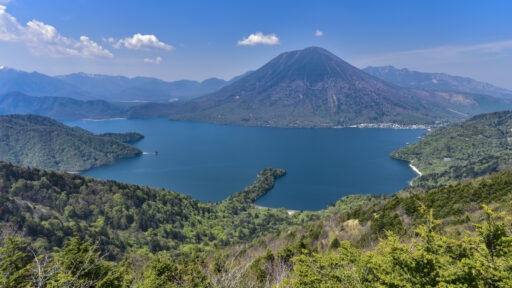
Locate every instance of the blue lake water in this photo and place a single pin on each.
(211, 162)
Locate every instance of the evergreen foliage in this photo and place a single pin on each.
(462, 151)
(45, 143)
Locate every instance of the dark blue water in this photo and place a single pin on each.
(211, 162)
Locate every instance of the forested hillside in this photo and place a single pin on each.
(128, 137)
(463, 150)
(60, 229)
(51, 207)
(45, 143)
(446, 237)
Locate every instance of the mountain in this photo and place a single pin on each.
(82, 86)
(436, 81)
(314, 88)
(461, 151)
(120, 88)
(37, 84)
(45, 143)
(60, 108)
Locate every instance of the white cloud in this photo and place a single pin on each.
(90, 48)
(9, 27)
(259, 38)
(319, 33)
(44, 39)
(157, 60)
(139, 41)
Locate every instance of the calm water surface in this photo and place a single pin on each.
(211, 162)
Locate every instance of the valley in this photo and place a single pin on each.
(255, 144)
(361, 236)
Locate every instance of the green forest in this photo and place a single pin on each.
(42, 142)
(451, 230)
(462, 151)
(455, 236)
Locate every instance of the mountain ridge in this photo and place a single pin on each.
(436, 81)
(84, 86)
(314, 88)
(46, 143)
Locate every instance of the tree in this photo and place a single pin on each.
(14, 262)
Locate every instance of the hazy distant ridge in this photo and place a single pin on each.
(436, 81)
(84, 86)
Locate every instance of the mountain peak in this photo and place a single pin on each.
(309, 52)
(310, 66)
(315, 49)
(311, 88)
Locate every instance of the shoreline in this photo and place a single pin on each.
(427, 127)
(415, 169)
(389, 126)
(290, 211)
(106, 119)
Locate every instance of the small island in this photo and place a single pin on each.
(127, 137)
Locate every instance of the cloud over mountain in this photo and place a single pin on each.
(259, 38)
(139, 42)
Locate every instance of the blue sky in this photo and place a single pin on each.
(201, 39)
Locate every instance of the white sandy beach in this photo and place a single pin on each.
(415, 169)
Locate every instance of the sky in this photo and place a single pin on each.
(197, 40)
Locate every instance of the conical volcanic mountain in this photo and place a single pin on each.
(315, 88)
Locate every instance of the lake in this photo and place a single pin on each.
(211, 162)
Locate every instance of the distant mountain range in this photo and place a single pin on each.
(45, 143)
(83, 86)
(60, 108)
(436, 81)
(37, 84)
(120, 88)
(304, 88)
(315, 88)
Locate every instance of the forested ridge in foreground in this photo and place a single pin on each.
(80, 232)
(66, 230)
(45, 143)
(50, 207)
(462, 151)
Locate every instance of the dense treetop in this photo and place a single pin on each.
(463, 150)
(45, 143)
